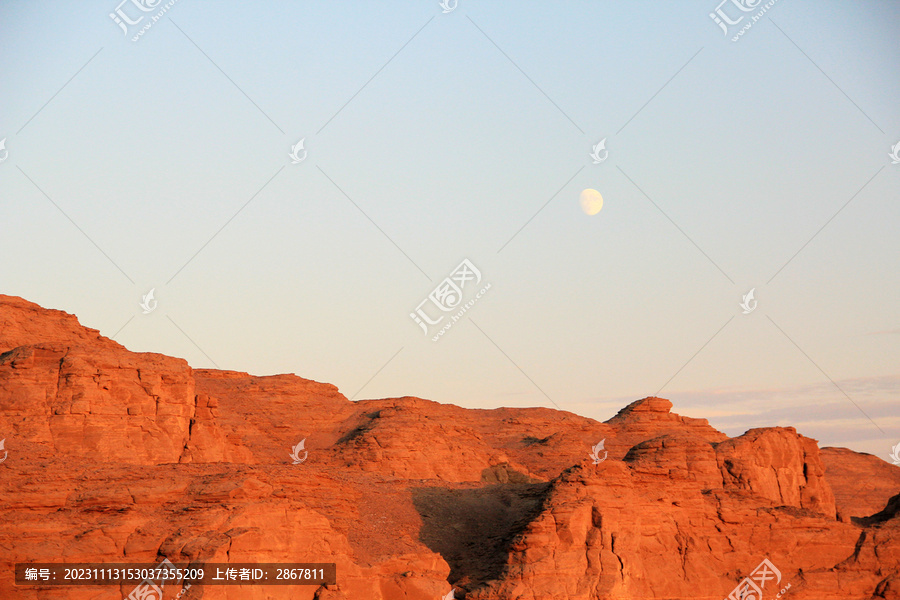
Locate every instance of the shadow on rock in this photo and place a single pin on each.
(472, 529)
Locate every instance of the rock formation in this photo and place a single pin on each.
(116, 456)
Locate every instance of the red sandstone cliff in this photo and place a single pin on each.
(117, 456)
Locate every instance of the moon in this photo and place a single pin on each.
(591, 201)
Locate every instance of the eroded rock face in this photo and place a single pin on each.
(778, 465)
(117, 456)
(82, 396)
(682, 517)
(862, 483)
(97, 404)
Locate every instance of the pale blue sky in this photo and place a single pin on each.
(449, 133)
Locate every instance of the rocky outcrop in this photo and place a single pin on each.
(862, 483)
(778, 465)
(682, 517)
(97, 404)
(652, 417)
(24, 323)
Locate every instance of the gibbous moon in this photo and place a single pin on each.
(591, 201)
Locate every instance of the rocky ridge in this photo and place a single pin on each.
(116, 456)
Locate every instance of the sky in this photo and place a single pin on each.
(433, 135)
